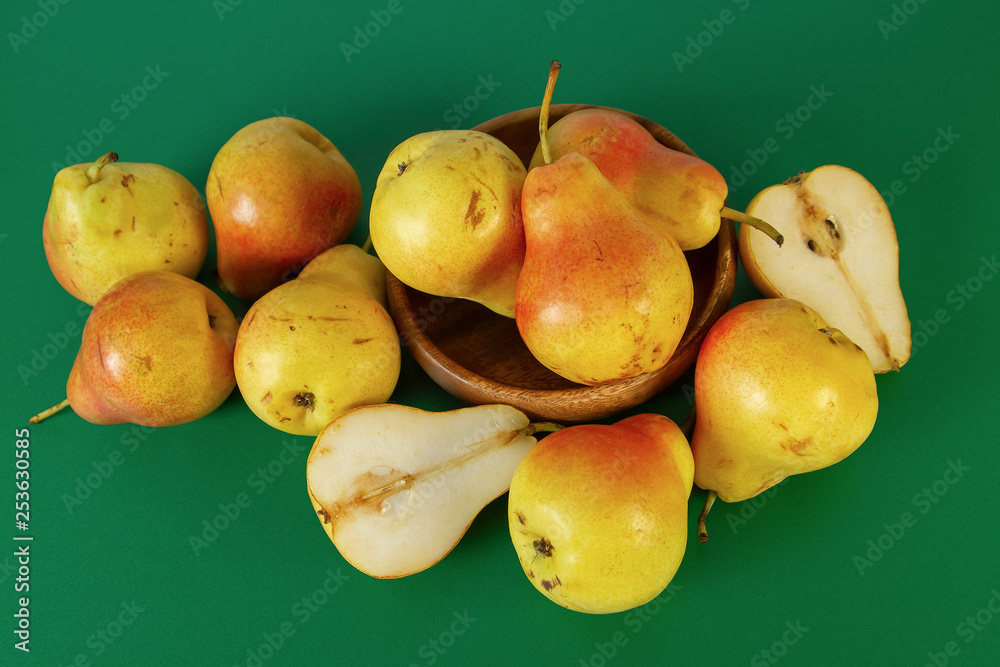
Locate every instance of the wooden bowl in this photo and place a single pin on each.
(479, 357)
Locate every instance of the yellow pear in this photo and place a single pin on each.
(157, 350)
(777, 392)
(603, 294)
(110, 219)
(446, 217)
(598, 514)
(319, 345)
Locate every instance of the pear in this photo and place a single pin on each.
(598, 514)
(157, 350)
(778, 392)
(446, 218)
(681, 193)
(843, 260)
(279, 193)
(603, 295)
(397, 487)
(319, 345)
(109, 219)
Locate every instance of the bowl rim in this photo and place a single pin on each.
(470, 386)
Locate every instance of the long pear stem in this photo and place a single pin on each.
(702, 530)
(543, 117)
(367, 247)
(99, 163)
(45, 414)
(744, 219)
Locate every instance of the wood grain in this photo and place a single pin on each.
(479, 357)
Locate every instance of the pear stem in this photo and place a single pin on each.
(757, 223)
(367, 247)
(45, 414)
(99, 163)
(543, 117)
(543, 427)
(702, 530)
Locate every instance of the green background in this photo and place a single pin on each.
(114, 578)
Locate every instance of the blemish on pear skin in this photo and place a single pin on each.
(549, 584)
(362, 341)
(520, 517)
(267, 398)
(797, 447)
(117, 232)
(543, 546)
(473, 215)
(324, 516)
(133, 223)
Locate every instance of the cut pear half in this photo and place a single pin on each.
(840, 257)
(397, 487)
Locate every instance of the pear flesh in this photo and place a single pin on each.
(841, 258)
(397, 487)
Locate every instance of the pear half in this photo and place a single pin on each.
(397, 487)
(841, 258)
